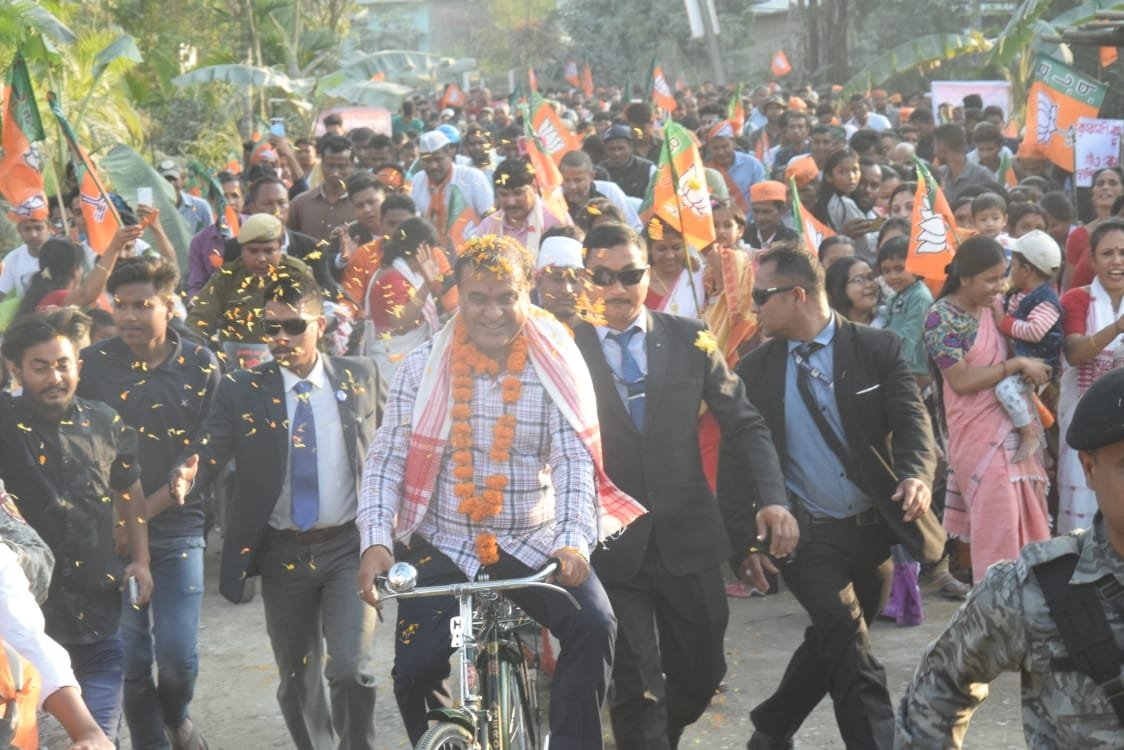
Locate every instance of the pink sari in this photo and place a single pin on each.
(995, 504)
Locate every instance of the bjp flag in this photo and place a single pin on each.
(932, 235)
(21, 178)
(453, 97)
(678, 194)
(810, 229)
(780, 66)
(555, 138)
(571, 74)
(1059, 96)
(661, 92)
(587, 82)
(101, 217)
(547, 177)
(735, 110)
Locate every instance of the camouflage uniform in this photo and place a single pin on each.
(34, 556)
(1005, 626)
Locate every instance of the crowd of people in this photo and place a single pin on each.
(405, 349)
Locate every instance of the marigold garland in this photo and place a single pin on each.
(476, 503)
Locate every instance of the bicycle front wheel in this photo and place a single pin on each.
(446, 736)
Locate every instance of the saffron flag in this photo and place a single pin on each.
(226, 218)
(453, 97)
(547, 176)
(571, 74)
(21, 176)
(101, 217)
(587, 82)
(780, 66)
(1108, 56)
(532, 79)
(811, 230)
(932, 236)
(735, 110)
(1059, 96)
(661, 92)
(1007, 174)
(679, 194)
(553, 135)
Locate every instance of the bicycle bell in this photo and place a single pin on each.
(401, 577)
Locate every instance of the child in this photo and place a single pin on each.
(1023, 218)
(768, 199)
(834, 204)
(1033, 320)
(989, 218)
(905, 311)
(729, 225)
(962, 212)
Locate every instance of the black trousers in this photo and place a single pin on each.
(841, 576)
(670, 653)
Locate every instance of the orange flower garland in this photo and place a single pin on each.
(482, 504)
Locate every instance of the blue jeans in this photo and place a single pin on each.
(98, 669)
(165, 629)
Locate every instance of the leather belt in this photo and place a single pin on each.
(312, 536)
(868, 517)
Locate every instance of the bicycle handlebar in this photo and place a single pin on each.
(468, 588)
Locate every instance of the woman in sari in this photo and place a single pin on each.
(1093, 325)
(408, 296)
(1108, 186)
(993, 503)
(677, 283)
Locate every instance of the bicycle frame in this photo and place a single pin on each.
(468, 632)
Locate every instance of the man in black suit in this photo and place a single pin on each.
(857, 451)
(298, 427)
(651, 373)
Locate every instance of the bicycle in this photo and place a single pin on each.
(499, 707)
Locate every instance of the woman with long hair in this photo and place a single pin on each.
(1108, 185)
(1093, 324)
(992, 502)
(835, 205)
(408, 296)
(677, 283)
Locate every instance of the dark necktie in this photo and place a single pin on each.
(633, 379)
(304, 481)
(804, 373)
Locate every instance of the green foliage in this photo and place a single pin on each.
(913, 54)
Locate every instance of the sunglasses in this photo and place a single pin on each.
(291, 326)
(627, 277)
(761, 296)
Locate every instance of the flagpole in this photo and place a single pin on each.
(63, 207)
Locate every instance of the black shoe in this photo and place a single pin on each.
(762, 741)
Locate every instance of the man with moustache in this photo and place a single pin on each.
(162, 386)
(520, 212)
(560, 276)
(452, 196)
(298, 428)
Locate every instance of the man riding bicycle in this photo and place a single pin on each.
(489, 459)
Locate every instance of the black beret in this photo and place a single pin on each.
(1099, 418)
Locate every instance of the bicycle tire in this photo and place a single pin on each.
(446, 736)
(512, 722)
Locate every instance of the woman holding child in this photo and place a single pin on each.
(994, 502)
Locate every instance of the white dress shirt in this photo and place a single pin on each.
(333, 467)
(22, 627)
(636, 347)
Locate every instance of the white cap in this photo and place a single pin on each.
(1040, 251)
(432, 141)
(447, 114)
(562, 252)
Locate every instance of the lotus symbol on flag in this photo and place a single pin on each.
(1047, 121)
(692, 191)
(100, 206)
(661, 87)
(33, 159)
(550, 137)
(35, 203)
(932, 235)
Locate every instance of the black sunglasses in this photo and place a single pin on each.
(761, 296)
(627, 277)
(291, 326)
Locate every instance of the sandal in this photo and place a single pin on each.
(948, 587)
(194, 741)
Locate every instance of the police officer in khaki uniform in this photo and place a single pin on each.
(1056, 615)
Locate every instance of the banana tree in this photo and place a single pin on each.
(915, 53)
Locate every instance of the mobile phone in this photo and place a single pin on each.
(134, 590)
(277, 126)
(144, 196)
(876, 224)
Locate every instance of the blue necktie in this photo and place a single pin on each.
(631, 376)
(304, 482)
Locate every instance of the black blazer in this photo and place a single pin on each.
(248, 420)
(884, 419)
(662, 468)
